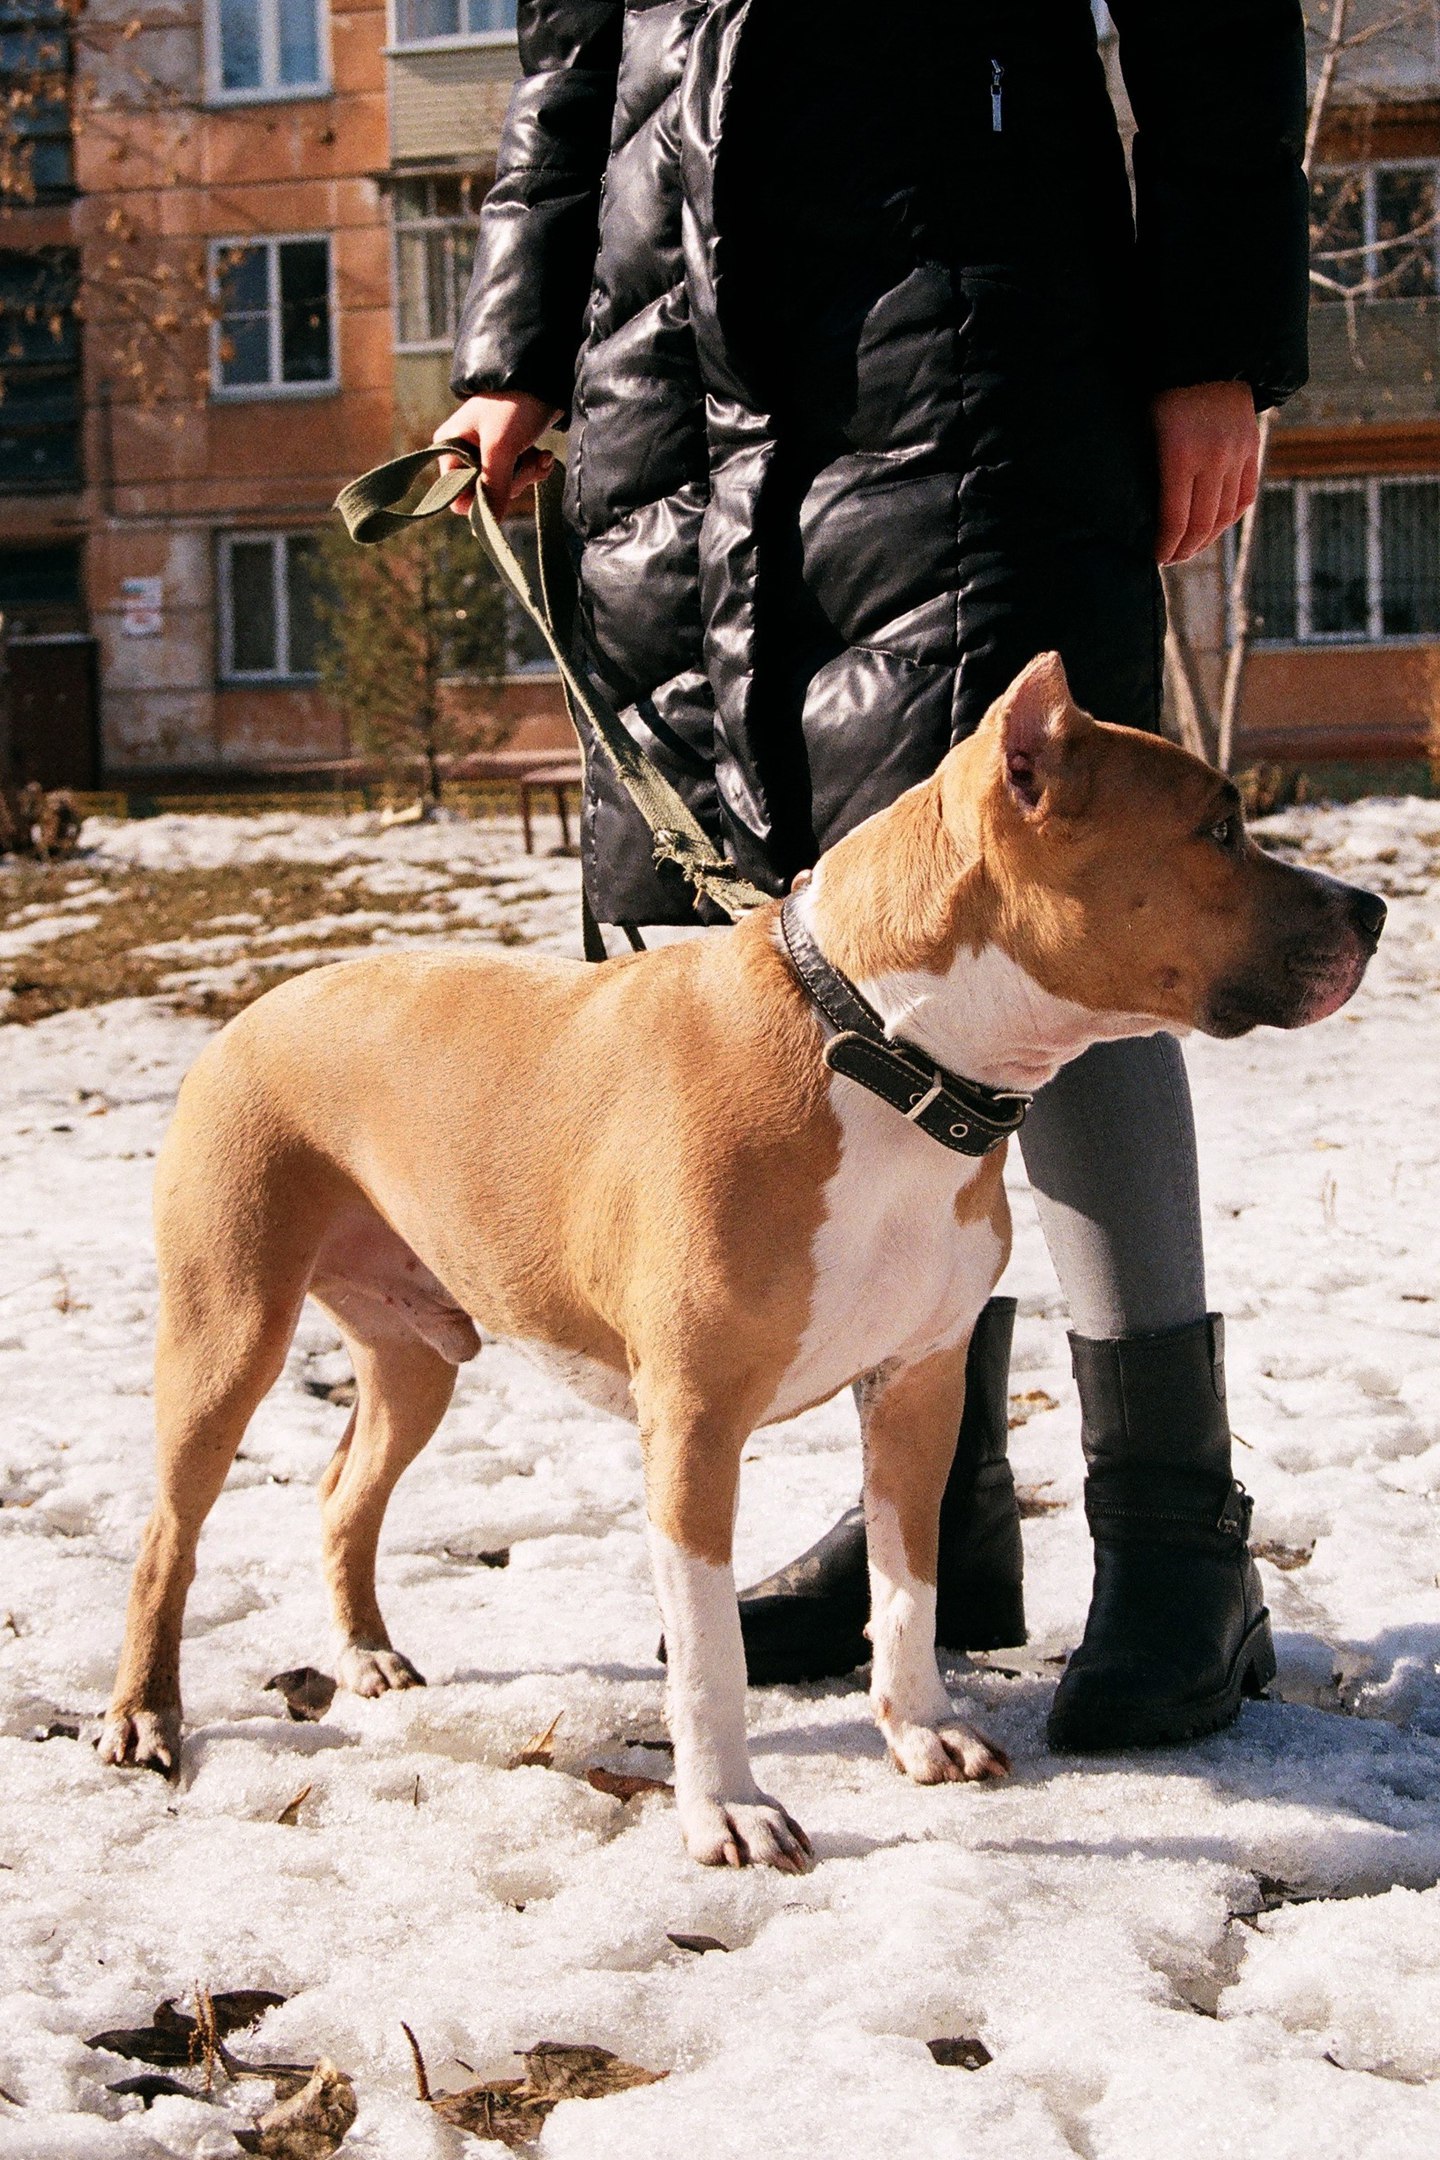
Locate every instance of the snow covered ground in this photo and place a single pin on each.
(1233, 1948)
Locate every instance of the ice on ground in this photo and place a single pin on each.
(1225, 1949)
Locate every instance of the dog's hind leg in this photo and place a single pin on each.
(220, 1347)
(692, 1470)
(909, 1418)
(403, 1390)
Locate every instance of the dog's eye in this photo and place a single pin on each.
(1226, 833)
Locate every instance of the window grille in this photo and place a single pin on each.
(1347, 562)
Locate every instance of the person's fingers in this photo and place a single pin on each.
(531, 467)
(497, 465)
(1177, 483)
(1227, 508)
(1249, 485)
(1204, 508)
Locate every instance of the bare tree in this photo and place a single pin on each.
(399, 624)
(92, 69)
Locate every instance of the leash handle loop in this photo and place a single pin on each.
(368, 506)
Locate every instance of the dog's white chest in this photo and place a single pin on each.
(900, 1269)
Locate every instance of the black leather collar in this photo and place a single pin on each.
(960, 1114)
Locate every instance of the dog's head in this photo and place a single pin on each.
(1124, 878)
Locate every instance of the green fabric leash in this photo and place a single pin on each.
(368, 506)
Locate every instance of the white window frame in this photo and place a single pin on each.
(1374, 255)
(255, 677)
(396, 47)
(247, 393)
(1301, 493)
(480, 187)
(270, 91)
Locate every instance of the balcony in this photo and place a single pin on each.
(447, 103)
(1381, 363)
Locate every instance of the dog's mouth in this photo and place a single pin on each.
(1311, 974)
(1307, 987)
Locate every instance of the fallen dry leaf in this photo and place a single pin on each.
(538, 1753)
(514, 2109)
(698, 1943)
(310, 2124)
(1032, 1403)
(962, 2054)
(623, 1785)
(1033, 1500)
(308, 1694)
(498, 1557)
(290, 1813)
(150, 2087)
(1286, 1557)
(174, 2040)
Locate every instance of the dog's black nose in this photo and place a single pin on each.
(1368, 911)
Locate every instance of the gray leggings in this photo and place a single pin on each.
(1109, 1149)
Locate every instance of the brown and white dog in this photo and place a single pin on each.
(646, 1173)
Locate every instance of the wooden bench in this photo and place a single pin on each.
(553, 775)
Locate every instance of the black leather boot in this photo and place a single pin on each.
(807, 1621)
(1178, 1630)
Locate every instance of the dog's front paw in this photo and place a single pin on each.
(945, 1754)
(744, 1833)
(376, 1672)
(144, 1739)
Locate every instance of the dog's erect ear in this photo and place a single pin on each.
(1039, 721)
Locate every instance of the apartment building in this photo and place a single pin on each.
(1345, 662)
(229, 279)
(234, 283)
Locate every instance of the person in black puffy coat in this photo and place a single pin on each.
(876, 387)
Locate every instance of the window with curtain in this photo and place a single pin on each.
(269, 628)
(435, 222)
(265, 48)
(418, 22)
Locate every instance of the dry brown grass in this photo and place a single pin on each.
(111, 957)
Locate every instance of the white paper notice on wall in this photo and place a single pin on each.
(142, 606)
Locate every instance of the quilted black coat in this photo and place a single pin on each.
(856, 331)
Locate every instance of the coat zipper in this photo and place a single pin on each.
(997, 117)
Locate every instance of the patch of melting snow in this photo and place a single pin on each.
(1124, 1936)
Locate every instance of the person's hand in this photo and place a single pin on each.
(504, 428)
(1207, 446)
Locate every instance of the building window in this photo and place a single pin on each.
(40, 402)
(265, 48)
(269, 627)
(275, 334)
(1347, 562)
(423, 22)
(435, 225)
(36, 61)
(1374, 232)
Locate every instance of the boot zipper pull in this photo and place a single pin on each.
(997, 77)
